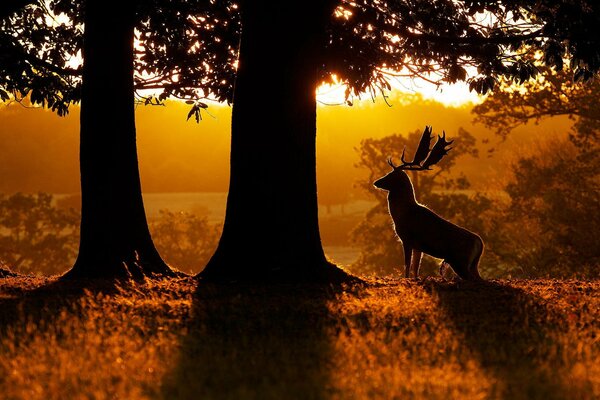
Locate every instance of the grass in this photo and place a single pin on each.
(383, 340)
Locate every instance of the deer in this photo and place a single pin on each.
(421, 230)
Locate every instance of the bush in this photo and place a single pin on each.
(40, 238)
(35, 236)
(185, 240)
(552, 225)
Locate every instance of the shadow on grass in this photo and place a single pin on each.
(41, 301)
(249, 341)
(510, 332)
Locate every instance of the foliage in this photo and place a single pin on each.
(440, 190)
(180, 339)
(439, 40)
(544, 224)
(188, 49)
(552, 223)
(39, 237)
(184, 240)
(35, 236)
(551, 95)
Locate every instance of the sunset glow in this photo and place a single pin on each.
(272, 199)
(454, 95)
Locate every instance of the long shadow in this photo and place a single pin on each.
(41, 301)
(248, 341)
(509, 331)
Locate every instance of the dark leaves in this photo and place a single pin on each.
(195, 110)
(482, 85)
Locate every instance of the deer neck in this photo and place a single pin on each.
(402, 198)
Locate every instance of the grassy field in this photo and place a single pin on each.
(383, 340)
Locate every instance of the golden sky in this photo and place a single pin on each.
(39, 150)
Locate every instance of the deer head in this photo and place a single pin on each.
(423, 160)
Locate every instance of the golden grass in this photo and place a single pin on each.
(388, 339)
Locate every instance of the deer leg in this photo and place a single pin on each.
(416, 262)
(474, 262)
(407, 259)
(461, 268)
(443, 268)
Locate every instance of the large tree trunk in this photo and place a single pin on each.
(115, 240)
(271, 229)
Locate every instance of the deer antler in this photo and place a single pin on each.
(438, 151)
(424, 157)
(423, 148)
(391, 163)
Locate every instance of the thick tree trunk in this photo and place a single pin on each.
(271, 229)
(115, 240)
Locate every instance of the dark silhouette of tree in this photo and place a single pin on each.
(552, 95)
(8, 7)
(288, 48)
(176, 57)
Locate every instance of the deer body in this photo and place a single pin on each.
(423, 231)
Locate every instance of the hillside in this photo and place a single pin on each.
(384, 339)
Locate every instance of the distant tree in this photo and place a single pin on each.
(440, 189)
(178, 55)
(288, 48)
(552, 94)
(185, 240)
(35, 236)
(551, 223)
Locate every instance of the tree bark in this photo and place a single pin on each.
(271, 229)
(115, 240)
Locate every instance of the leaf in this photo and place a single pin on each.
(423, 148)
(193, 110)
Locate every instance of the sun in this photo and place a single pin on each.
(453, 95)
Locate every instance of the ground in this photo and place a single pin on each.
(385, 339)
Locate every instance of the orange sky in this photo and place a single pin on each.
(39, 151)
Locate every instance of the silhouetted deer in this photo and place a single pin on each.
(420, 229)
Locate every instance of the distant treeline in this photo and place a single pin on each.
(544, 222)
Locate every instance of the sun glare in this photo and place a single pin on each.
(454, 95)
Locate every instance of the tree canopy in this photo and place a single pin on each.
(553, 94)
(184, 49)
(369, 38)
(188, 49)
